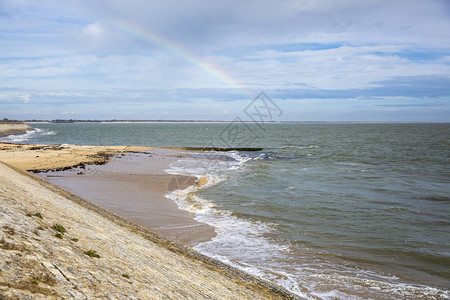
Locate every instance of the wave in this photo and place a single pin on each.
(299, 147)
(233, 234)
(207, 163)
(244, 244)
(236, 235)
(252, 246)
(29, 134)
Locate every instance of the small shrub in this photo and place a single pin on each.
(29, 215)
(74, 240)
(92, 253)
(59, 235)
(38, 215)
(59, 228)
(126, 276)
(40, 228)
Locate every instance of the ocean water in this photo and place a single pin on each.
(348, 211)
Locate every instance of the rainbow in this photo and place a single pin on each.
(178, 51)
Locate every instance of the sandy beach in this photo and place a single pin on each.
(134, 186)
(132, 261)
(50, 157)
(141, 184)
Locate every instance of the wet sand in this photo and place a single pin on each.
(134, 186)
(42, 157)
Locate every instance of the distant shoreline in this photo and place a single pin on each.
(227, 122)
(142, 122)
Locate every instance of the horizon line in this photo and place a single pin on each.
(69, 121)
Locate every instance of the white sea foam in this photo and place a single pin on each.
(47, 132)
(209, 163)
(20, 138)
(233, 235)
(245, 243)
(300, 147)
(238, 242)
(369, 289)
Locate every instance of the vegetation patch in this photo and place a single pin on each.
(126, 276)
(59, 235)
(74, 240)
(39, 215)
(92, 253)
(59, 228)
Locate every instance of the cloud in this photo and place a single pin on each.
(93, 30)
(177, 53)
(14, 97)
(206, 24)
(341, 68)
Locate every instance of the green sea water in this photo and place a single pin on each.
(350, 211)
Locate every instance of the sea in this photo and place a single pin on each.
(326, 210)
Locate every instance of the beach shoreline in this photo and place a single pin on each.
(142, 187)
(249, 198)
(13, 129)
(135, 185)
(30, 202)
(20, 158)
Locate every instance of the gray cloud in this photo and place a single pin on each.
(77, 55)
(206, 24)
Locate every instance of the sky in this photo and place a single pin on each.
(317, 60)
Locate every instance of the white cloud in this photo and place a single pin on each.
(93, 30)
(69, 53)
(338, 68)
(13, 97)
